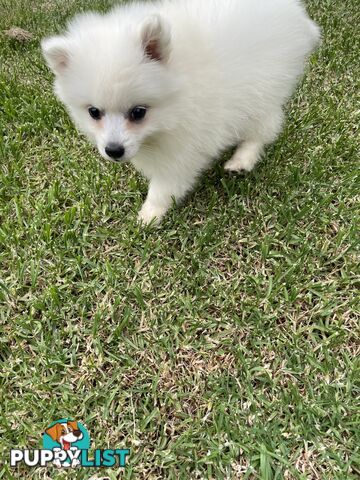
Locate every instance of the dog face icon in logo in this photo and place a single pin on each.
(65, 433)
(65, 437)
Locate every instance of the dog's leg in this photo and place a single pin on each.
(250, 150)
(245, 157)
(154, 208)
(162, 191)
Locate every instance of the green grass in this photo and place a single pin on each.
(222, 345)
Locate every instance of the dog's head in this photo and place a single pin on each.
(65, 433)
(112, 74)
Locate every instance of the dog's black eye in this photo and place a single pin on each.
(95, 113)
(137, 114)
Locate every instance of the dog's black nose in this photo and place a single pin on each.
(115, 150)
(77, 433)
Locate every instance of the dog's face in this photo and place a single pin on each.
(114, 81)
(65, 433)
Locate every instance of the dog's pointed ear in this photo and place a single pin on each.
(57, 53)
(156, 38)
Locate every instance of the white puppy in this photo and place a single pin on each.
(169, 85)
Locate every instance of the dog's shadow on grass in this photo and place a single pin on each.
(219, 190)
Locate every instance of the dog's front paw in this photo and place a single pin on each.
(57, 463)
(75, 463)
(150, 213)
(239, 163)
(244, 158)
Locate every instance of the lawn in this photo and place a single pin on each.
(222, 345)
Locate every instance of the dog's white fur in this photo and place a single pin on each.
(223, 71)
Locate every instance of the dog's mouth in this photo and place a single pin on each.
(66, 445)
(113, 160)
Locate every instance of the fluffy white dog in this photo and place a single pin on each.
(171, 84)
